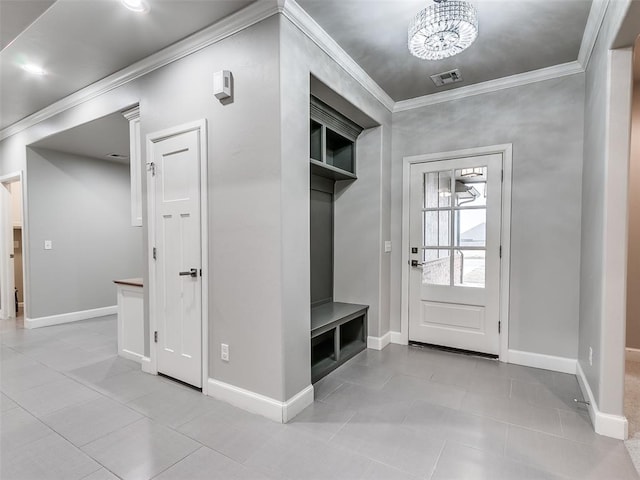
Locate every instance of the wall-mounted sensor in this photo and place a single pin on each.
(222, 84)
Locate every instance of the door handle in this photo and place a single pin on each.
(415, 263)
(191, 273)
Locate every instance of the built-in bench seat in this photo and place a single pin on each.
(338, 332)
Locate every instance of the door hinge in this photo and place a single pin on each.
(502, 175)
(499, 327)
(155, 337)
(499, 252)
(151, 167)
(155, 253)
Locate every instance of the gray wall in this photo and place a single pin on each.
(633, 266)
(602, 285)
(82, 205)
(544, 122)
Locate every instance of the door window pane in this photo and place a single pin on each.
(469, 268)
(436, 267)
(437, 189)
(471, 228)
(471, 186)
(437, 228)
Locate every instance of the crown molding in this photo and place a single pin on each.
(226, 27)
(594, 22)
(518, 80)
(301, 19)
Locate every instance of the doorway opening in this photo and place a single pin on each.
(632, 353)
(456, 222)
(12, 282)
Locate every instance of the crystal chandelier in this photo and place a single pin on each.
(443, 29)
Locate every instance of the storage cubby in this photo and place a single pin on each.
(332, 142)
(338, 333)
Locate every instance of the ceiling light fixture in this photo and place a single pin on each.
(139, 6)
(443, 29)
(33, 69)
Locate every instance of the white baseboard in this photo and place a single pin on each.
(145, 363)
(133, 356)
(398, 338)
(615, 426)
(546, 362)
(632, 354)
(253, 402)
(69, 317)
(378, 343)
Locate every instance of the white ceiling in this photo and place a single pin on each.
(80, 42)
(97, 139)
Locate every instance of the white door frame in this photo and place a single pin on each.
(201, 127)
(505, 233)
(4, 264)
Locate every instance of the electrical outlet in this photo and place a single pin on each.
(590, 357)
(224, 352)
(387, 246)
(48, 244)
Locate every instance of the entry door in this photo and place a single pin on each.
(178, 252)
(7, 282)
(455, 216)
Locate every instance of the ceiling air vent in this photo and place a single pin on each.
(445, 78)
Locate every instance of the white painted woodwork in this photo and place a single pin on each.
(130, 321)
(462, 317)
(135, 161)
(177, 226)
(7, 299)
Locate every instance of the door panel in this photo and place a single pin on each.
(454, 285)
(7, 282)
(178, 246)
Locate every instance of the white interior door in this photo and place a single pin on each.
(454, 229)
(178, 282)
(7, 281)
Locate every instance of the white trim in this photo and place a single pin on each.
(546, 362)
(518, 80)
(591, 30)
(133, 356)
(615, 426)
(70, 317)
(146, 367)
(378, 343)
(253, 402)
(226, 27)
(632, 354)
(307, 25)
(201, 127)
(506, 150)
(398, 339)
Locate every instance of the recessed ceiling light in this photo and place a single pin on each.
(140, 6)
(34, 69)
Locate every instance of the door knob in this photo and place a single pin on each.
(191, 273)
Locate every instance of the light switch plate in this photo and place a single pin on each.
(48, 244)
(387, 246)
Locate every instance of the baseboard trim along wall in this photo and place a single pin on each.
(145, 363)
(378, 343)
(397, 338)
(546, 362)
(69, 317)
(632, 354)
(615, 426)
(253, 402)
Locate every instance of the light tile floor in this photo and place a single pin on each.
(72, 409)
